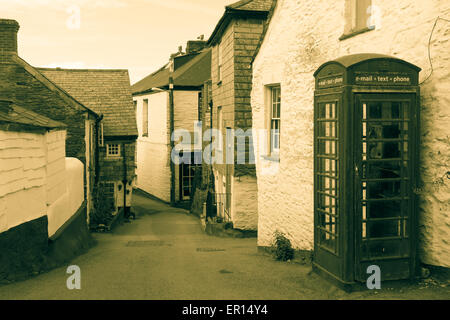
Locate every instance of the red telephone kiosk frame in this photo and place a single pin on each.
(366, 160)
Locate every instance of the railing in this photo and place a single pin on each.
(222, 202)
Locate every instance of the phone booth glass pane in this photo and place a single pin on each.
(327, 176)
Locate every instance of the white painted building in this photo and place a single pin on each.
(153, 102)
(37, 180)
(41, 192)
(303, 35)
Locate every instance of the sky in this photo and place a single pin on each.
(138, 35)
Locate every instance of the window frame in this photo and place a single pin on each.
(219, 63)
(145, 116)
(113, 155)
(271, 105)
(101, 139)
(356, 18)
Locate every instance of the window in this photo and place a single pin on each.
(219, 62)
(100, 135)
(145, 118)
(358, 15)
(275, 105)
(113, 150)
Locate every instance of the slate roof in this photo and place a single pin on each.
(12, 113)
(70, 100)
(251, 5)
(193, 73)
(106, 92)
(158, 79)
(241, 8)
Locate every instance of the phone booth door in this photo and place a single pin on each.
(383, 184)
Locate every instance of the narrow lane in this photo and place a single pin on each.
(164, 254)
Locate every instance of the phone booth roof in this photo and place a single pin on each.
(367, 69)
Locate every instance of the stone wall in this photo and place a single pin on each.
(112, 168)
(26, 90)
(303, 35)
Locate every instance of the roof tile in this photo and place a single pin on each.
(106, 92)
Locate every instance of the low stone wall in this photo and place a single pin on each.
(27, 249)
(73, 240)
(23, 249)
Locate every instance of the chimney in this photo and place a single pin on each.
(8, 38)
(195, 46)
(179, 53)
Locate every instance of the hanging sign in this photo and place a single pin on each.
(379, 78)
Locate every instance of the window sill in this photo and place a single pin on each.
(112, 158)
(272, 157)
(355, 33)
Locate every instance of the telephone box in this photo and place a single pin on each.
(366, 131)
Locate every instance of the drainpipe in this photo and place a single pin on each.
(124, 181)
(172, 143)
(97, 149)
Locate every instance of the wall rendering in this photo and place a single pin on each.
(294, 47)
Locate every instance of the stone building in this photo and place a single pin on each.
(25, 85)
(234, 41)
(167, 103)
(302, 36)
(108, 93)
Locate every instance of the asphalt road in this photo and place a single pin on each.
(164, 254)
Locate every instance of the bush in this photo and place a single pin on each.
(282, 247)
(103, 207)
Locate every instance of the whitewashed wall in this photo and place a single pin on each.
(71, 195)
(22, 178)
(153, 166)
(302, 36)
(185, 109)
(153, 157)
(37, 180)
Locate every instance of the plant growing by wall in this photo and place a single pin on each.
(103, 206)
(282, 247)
